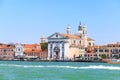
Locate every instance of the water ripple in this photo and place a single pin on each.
(65, 67)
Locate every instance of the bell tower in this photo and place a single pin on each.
(85, 35)
(80, 27)
(68, 29)
(43, 39)
(82, 32)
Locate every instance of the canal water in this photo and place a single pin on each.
(18, 70)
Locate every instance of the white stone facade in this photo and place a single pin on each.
(67, 46)
(19, 50)
(58, 49)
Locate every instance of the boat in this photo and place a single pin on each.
(114, 61)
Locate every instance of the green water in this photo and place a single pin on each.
(14, 70)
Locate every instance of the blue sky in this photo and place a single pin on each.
(24, 21)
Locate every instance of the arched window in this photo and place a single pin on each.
(18, 49)
(56, 35)
(89, 44)
(74, 41)
(80, 42)
(50, 45)
(63, 45)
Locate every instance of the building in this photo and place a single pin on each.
(109, 50)
(7, 51)
(22, 52)
(32, 51)
(19, 51)
(91, 53)
(68, 46)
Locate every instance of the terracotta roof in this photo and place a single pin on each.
(89, 39)
(6, 46)
(32, 50)
(30, 45)
(70, 36)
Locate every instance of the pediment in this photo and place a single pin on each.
(56, 35)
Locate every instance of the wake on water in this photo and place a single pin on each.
(65, 67)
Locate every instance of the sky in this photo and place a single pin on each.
(24, 21)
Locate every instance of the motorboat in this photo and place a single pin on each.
(114, 61)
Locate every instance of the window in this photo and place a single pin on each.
(99, 54)
(96, 50)
(86, 49)
(89, 44)
(111, 50)
(4, 50)
(95, 54)
(56, 35)
(18, 49)
(74, 41)
(100, 50)
(106, 50)
(115, 51)
(88, 55)
(62, 54)
(62, 45)
(51, 46)
(80, 42)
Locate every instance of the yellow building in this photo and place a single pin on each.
(67, 46)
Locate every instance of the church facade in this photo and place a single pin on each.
(68, 46)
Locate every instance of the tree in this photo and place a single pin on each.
(44, 46)
(104, 56)
(96, 58)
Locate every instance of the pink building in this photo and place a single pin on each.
(7, 51)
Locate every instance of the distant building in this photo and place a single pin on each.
(110, 50)
(68, 46)
(103, 51)
(19, 51)
(7, 51)
(32, 51)
(91, 53)
(22, 51)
